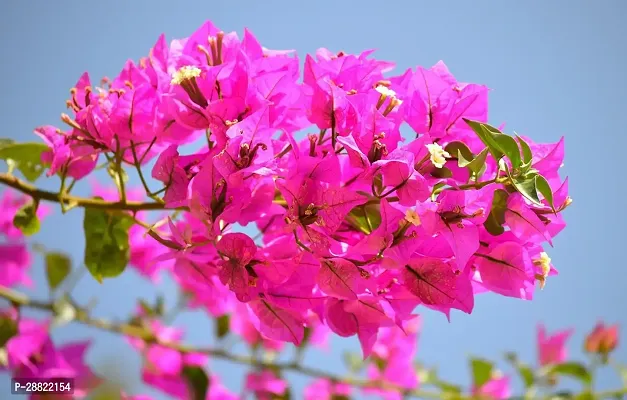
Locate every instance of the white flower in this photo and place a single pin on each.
(385, 91)
(412, 216)
(438, 154)
(545, 263)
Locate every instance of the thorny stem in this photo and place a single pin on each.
(18, 299)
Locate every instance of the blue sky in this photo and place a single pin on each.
(555, 68)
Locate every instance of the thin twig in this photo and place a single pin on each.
(84, 202)
(19, 299)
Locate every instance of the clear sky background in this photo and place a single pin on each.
(555, 68)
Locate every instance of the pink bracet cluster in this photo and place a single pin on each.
(15, 258)
(358, 226)
(32, 354)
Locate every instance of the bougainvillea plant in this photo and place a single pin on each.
(374, 196)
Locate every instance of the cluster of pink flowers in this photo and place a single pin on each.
(359, 223)
(30, 353)
(15, 258)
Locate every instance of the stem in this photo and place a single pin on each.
(284, 151)
(22, 300)
(150, 232)
(119, 155)
(138, 168)
(67, 200)
(321, 136)
(479, 185)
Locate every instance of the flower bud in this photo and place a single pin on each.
(602, 340)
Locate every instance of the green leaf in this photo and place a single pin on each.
(481, 371)
(498, 143)
(430, 377)
(449, 390)
(106, 242)
(561, 395)
(525, 372)
(441, 173)
(353, 361)
(508, 145)
(6, 142)
(197, 382)
(527, 187)
(26, 157)
(58, 267)
(377, 183)
(147, 309)
(436, 190)
(572, 369)
(160, 306)
(380, 363)
(543, 187)
(8, 329)
(526, 151)
(476, 164)
(339, 397)
(463, 161)
(623, 374)
(223, 324)
(494, 223)
(26, 219)
(366, 217)
(459, 148)
(486, 133)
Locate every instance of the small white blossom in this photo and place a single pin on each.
(184, 73)
(412, 216)
(385, 91)
(438, 154)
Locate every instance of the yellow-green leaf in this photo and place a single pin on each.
(509, 147)
(477, 163)
(526, 151)
(106, 242)
(574, 370)
(543, 187)
(58, 267)
(26, 157)
(526, 185)
(481, 371)
(525, 372)
(223, 324)
(366, 217)
(486, 133)
(459, 147)
(26, 219)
